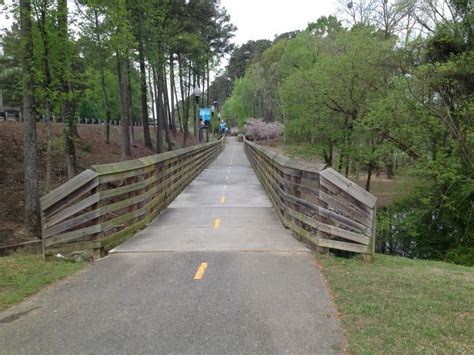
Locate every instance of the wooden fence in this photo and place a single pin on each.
(104, 205)
(318, 204)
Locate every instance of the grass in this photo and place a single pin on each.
(24, 275)
(402, 306)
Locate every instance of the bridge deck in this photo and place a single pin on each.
(261, 291)
(224, 209)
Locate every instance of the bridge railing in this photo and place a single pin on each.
(320, 206)
(104, 205)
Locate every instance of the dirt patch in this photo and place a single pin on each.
(91, 149)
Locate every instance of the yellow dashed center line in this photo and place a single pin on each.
(217, 223)
(222, 199)
(200, 271)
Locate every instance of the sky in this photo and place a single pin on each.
(263, 19)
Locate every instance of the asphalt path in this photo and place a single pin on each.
(215, 273)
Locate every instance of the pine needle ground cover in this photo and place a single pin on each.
(24, 275)
(399, 306)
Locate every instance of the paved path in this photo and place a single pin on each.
(261, 291)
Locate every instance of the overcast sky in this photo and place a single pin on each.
(263, 19)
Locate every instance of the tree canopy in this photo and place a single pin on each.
(388, 86)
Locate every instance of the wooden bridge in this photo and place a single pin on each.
(216, 272)
(107, 204)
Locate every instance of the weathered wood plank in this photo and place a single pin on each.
(71, 223)
(117, 191)
(284, 180)
(342, 233)
(349, 187)
(71, 247)
(346, 209)
(122, 175)
(73, 235)
(59, 227)
(340, 220)
(335, 244)
(70, 211)
(65, 189)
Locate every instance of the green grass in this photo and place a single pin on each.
(24, 275)
(402, 306)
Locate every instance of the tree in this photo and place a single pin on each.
(67, 104)
(32, 206)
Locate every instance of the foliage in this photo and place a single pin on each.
(241, 58)
(402, 306)
(373, 97)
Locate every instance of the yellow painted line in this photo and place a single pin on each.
(200, 271)
(222, 199)
(217, 223)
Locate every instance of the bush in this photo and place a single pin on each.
(460, 255)
(430, 225)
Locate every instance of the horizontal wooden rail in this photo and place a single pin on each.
(320, 206)
(106, 204)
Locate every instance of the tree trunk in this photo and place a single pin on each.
(184, 103)
(369, 175)
(170, 123)
(161, 94)
(172, 90)
(32, 205)
(146, 127)
(203, 102)
(124, 109)
(178, 111)
(49, 146)
(390, 166)
(341, 160)
(108, 114)
(47, 88)
(152, 96)
(195, 116)
(67, 107)
(129, 104)
(159, 118)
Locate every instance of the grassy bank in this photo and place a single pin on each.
(398, 305)
(24, 275)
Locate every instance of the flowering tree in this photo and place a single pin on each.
(256, 128)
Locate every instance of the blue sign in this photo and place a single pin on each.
(205, 114)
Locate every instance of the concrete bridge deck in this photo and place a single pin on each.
(215, 273)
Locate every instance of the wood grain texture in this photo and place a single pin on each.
(108, 203)
(319, 205)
